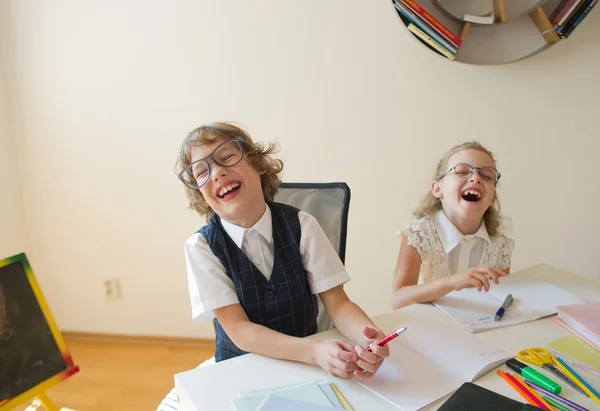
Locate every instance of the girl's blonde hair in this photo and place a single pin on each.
(431, 203)
(255, 153)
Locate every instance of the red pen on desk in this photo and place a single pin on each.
(388, 338)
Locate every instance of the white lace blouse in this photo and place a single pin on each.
(445, 251)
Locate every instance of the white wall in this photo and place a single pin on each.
(107, 90)
(12, 235)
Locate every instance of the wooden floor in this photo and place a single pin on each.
(119, 376)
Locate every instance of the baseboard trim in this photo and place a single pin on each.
(137, 339)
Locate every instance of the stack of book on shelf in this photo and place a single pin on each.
(427, 29)
(569, 14)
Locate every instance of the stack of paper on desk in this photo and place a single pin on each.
(429, 361)
(305, 396)
(533, 299)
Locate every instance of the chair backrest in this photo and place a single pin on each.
(329, 204)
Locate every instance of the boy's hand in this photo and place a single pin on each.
(336, 357)
(478, 277)
(370, 362)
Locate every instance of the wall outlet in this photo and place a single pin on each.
(111, 288)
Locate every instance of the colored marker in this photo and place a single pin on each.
(555, 404)
(533, 376)
(532, 392)
(507, 302)
(387, 338)
(576, 378)
(529, 392)
(556, 397)
(515, 385)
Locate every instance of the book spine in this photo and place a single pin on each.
(558, 10)
(439, 27)
(574, 9)
(571, 25)
(423, 36)
(424, 26)
(429, 46)
(563, 11)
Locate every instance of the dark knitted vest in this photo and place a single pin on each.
(285, 302)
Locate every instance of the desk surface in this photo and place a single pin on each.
(213, 387)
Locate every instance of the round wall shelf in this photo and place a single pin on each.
(485, 32)
(500, 11)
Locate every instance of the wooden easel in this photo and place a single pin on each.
(22, 282)
(46, 403)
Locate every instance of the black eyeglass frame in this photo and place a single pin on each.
(498, 174)
(238, 140)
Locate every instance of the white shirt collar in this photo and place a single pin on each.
(264, 226)
(449, 234)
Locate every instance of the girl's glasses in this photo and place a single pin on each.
(227, 154)
(464, 170)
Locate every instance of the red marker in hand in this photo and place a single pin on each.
(387, 338)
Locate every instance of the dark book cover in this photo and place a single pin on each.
(472, 397)
(561, 11)
(566, 30)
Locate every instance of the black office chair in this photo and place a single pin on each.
(329, 204)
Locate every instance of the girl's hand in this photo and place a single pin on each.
(370, 362)
(477, 277)
(336, 357)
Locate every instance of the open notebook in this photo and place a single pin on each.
(429, 361)
(533, 299)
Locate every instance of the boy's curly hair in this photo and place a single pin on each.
(431, 204)
(255, 153)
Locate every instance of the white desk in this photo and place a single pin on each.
(212, 388)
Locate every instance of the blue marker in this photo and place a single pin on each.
(507, 302)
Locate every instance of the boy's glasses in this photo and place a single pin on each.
(464, 170)
(227, 154)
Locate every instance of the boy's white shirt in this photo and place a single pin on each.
(211, 288)
(444, 250)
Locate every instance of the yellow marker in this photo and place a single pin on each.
(576, 381)
(532, 392)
